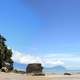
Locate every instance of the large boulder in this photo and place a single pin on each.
(67, 74)
(35, 68)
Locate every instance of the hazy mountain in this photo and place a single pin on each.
(55, 69)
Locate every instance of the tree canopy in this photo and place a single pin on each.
(5, 54)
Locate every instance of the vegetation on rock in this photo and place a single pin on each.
(5, 55)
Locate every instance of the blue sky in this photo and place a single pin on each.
(42, 27)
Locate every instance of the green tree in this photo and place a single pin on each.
(5, 54)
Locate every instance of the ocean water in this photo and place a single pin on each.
(57, 71)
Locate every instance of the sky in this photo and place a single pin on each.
(45, 31)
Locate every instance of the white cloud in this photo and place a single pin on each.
(48, 60)
(25, 58)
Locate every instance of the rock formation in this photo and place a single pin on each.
(35, 68)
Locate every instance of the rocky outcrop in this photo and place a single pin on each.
(6, 67)
(67, 74)
(35, 69)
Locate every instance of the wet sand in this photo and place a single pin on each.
(14, 76)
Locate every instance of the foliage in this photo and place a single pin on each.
(5, 54)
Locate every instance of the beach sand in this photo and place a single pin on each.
(14, 76)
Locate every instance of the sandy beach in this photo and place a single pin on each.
(14, 76)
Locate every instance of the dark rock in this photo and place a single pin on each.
(38, 74)
(67, 74)
(7, 67)
(35, 68)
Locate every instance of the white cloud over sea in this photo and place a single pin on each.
(48, 60)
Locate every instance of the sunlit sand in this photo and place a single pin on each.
(14, 76)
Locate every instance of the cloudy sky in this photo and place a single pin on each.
(45, 31)
(70, 61)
